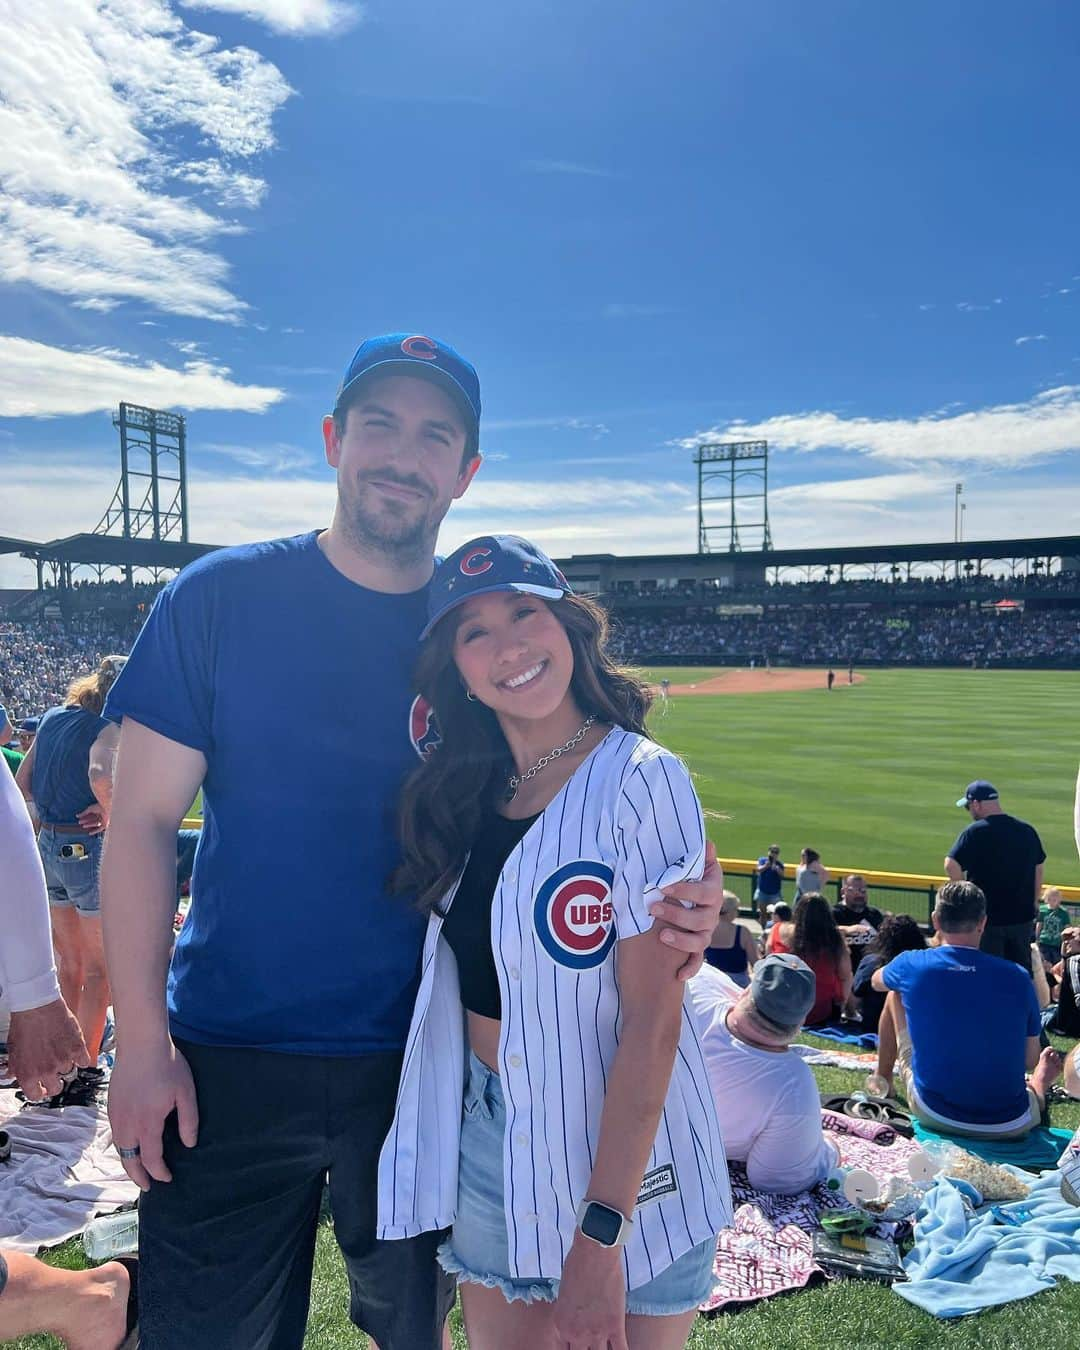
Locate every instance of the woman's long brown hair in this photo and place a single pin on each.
(462, 779)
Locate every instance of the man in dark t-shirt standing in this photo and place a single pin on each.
(1004, 857)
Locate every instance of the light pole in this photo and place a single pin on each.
(963, 511)
(956, 512)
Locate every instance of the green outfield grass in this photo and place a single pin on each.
(868, 774)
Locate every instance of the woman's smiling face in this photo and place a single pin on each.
(513, 654)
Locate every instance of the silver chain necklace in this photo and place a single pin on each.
(514, 782)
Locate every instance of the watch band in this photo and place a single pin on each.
(603, 1224)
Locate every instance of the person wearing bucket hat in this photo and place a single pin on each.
(1004, 857)
(765, 1095)
(536, 837)
(295, 965)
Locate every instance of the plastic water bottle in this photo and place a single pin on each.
(112, 1235)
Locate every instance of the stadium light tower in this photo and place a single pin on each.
(151, 497)
(733, 483)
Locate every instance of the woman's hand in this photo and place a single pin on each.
(590, 1312)
(691, 930)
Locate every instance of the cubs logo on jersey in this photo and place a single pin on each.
(423, 728)
(573, 914)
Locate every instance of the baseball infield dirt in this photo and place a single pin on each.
(763, 682)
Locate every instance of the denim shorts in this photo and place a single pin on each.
(477, 1250)
(71, 880)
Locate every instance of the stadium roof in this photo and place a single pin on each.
(1056, 546)
(110, 550)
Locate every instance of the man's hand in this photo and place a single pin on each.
(43, 1044)
(147, 1085)
(690, 929)
(93, 820)
(590, 1310)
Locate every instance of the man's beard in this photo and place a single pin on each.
(393, 530)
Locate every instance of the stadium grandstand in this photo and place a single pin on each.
(999, 604)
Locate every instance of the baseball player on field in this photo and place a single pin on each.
(585, 1179)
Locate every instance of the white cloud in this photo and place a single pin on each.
(636, 311)
(566, 166)
(37, 380)
(1031, 337)
(296, 17)
(47, 496)
(95, 100)
(1004, 435)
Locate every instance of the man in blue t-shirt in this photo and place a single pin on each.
(964, 1026)
(274, 1057)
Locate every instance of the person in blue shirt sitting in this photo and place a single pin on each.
(955, 995)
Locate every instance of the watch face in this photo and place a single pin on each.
(602, 1224)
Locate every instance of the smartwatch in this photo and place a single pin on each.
(602, 1224)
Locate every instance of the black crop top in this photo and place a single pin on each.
(468, 925)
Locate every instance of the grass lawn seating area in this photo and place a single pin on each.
(868, 776)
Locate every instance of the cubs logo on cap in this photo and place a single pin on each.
(425, 357)
(476, 562)
(573, 914)
(423, 728)
(494, 562)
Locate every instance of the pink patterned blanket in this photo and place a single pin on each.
(768, 1249)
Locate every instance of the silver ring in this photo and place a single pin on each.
(128, 1152)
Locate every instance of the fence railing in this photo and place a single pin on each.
(899, 892)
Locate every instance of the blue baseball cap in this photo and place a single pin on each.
(427, 358)
(494, 562)
(29, 725)
(979, 791)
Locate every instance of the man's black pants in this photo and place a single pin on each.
(226, 1248)
(1011, 941)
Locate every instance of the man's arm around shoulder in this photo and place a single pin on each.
(155, 782)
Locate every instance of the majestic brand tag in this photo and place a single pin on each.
(660, 1181)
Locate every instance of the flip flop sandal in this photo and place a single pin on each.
(131, 1328)
(883, 1110)
(5, 1146)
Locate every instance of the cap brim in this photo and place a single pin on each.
(962, 802)
(421, 371)
(526, 587)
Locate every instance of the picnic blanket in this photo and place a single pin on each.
(964, 1261)
(1036, 1151)
(838, 1059)
(63, 1171)
(840, 1031)
(769, 1248)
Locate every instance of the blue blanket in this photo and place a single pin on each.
(964, 1261)
(839, 1031)
(1036, 1151)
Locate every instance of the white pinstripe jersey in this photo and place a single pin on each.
(626, 823)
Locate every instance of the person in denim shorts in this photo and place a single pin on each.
(55, 779)
(584, 1175)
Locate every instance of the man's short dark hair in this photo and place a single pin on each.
(960, 907)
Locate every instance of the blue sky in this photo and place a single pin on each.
(847, 229)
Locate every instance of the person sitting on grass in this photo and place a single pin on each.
(779, 914)
(1063, 1017)
(814, 937)
(765, 1095)
(732, 948)
(963, 1026)
(898, 933)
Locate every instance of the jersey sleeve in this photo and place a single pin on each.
(660, 839)
(167, 683)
